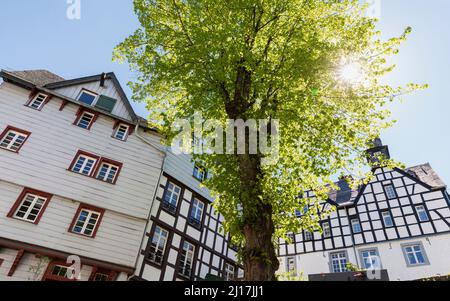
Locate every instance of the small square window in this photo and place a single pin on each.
(230, 271)
(87, 97)
(12, 139)
(308, 236)
(87, 221)
(121, 132)
(370, 259)
(338, 262)
(38, 101)
(326, 229)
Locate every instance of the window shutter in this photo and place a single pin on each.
(106, 103)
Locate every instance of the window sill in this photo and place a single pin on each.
(9, 150)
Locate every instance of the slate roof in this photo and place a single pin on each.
(426, 174)
(38, 77)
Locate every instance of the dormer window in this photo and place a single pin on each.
(38, 101)
(87, 97)
(121, 132)
(200, 172)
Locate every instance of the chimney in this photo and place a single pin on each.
(376, 152)
(102, 79)
(344, 193)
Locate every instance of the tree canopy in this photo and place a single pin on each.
(316, 66)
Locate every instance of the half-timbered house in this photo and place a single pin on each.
(399, 222)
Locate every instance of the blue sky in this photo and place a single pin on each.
(38, 35)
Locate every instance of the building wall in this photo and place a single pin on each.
(312, 256)
(42, 164)
(212, 244)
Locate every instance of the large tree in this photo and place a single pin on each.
(316, 66)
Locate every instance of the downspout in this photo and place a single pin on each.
(163, 151)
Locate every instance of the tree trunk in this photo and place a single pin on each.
(259, 257)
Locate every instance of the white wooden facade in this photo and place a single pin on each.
(44, 164)
(396, 213)
(213, 254)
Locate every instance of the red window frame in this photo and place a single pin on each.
(48, 272)
(100, 211)
(108, 161)
(80, 113)
(12, 128)
(84, 153)
(19, 200)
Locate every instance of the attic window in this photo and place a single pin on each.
(121, 132)
(106, 103)
(38, 101)
(87, 97)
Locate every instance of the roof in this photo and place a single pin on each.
(48, 82)
(426, 174)
(38, 77)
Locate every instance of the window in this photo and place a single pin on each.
(171, 197)
(106, 103)
(199, 172)
(415, 255)
(229, 272)
(87, 97)
(12, 139)
(108, 171)
(326, 229)
(196, 215)
(291, 238)
(87, 221)
(30, 206)
(121, 132)
(356, 226)
(422, 213)
(84, 163)
(390, 191)
(38, 101)
(99, 274)
(101, 277)
(308, 236)
(158, 245)
(387, 219)
(370, 260)
(338, 262)
(186, 260)
(85, 120)
(299, 213)
(290, 265)
(59, 272)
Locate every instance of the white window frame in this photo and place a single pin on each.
(126, 131)
(108, 172)
(11, 145)
(34, 202)
(156, 243)
(92, 116)
(326, 229)
(83, 165)
(89, 93)
(341, 260)
(422, 211)
(291, 268)
(384, 216)
(186, 256)
(168, 195)
(373, 257)
(40, 99)
(308, 235)
(86, 222)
